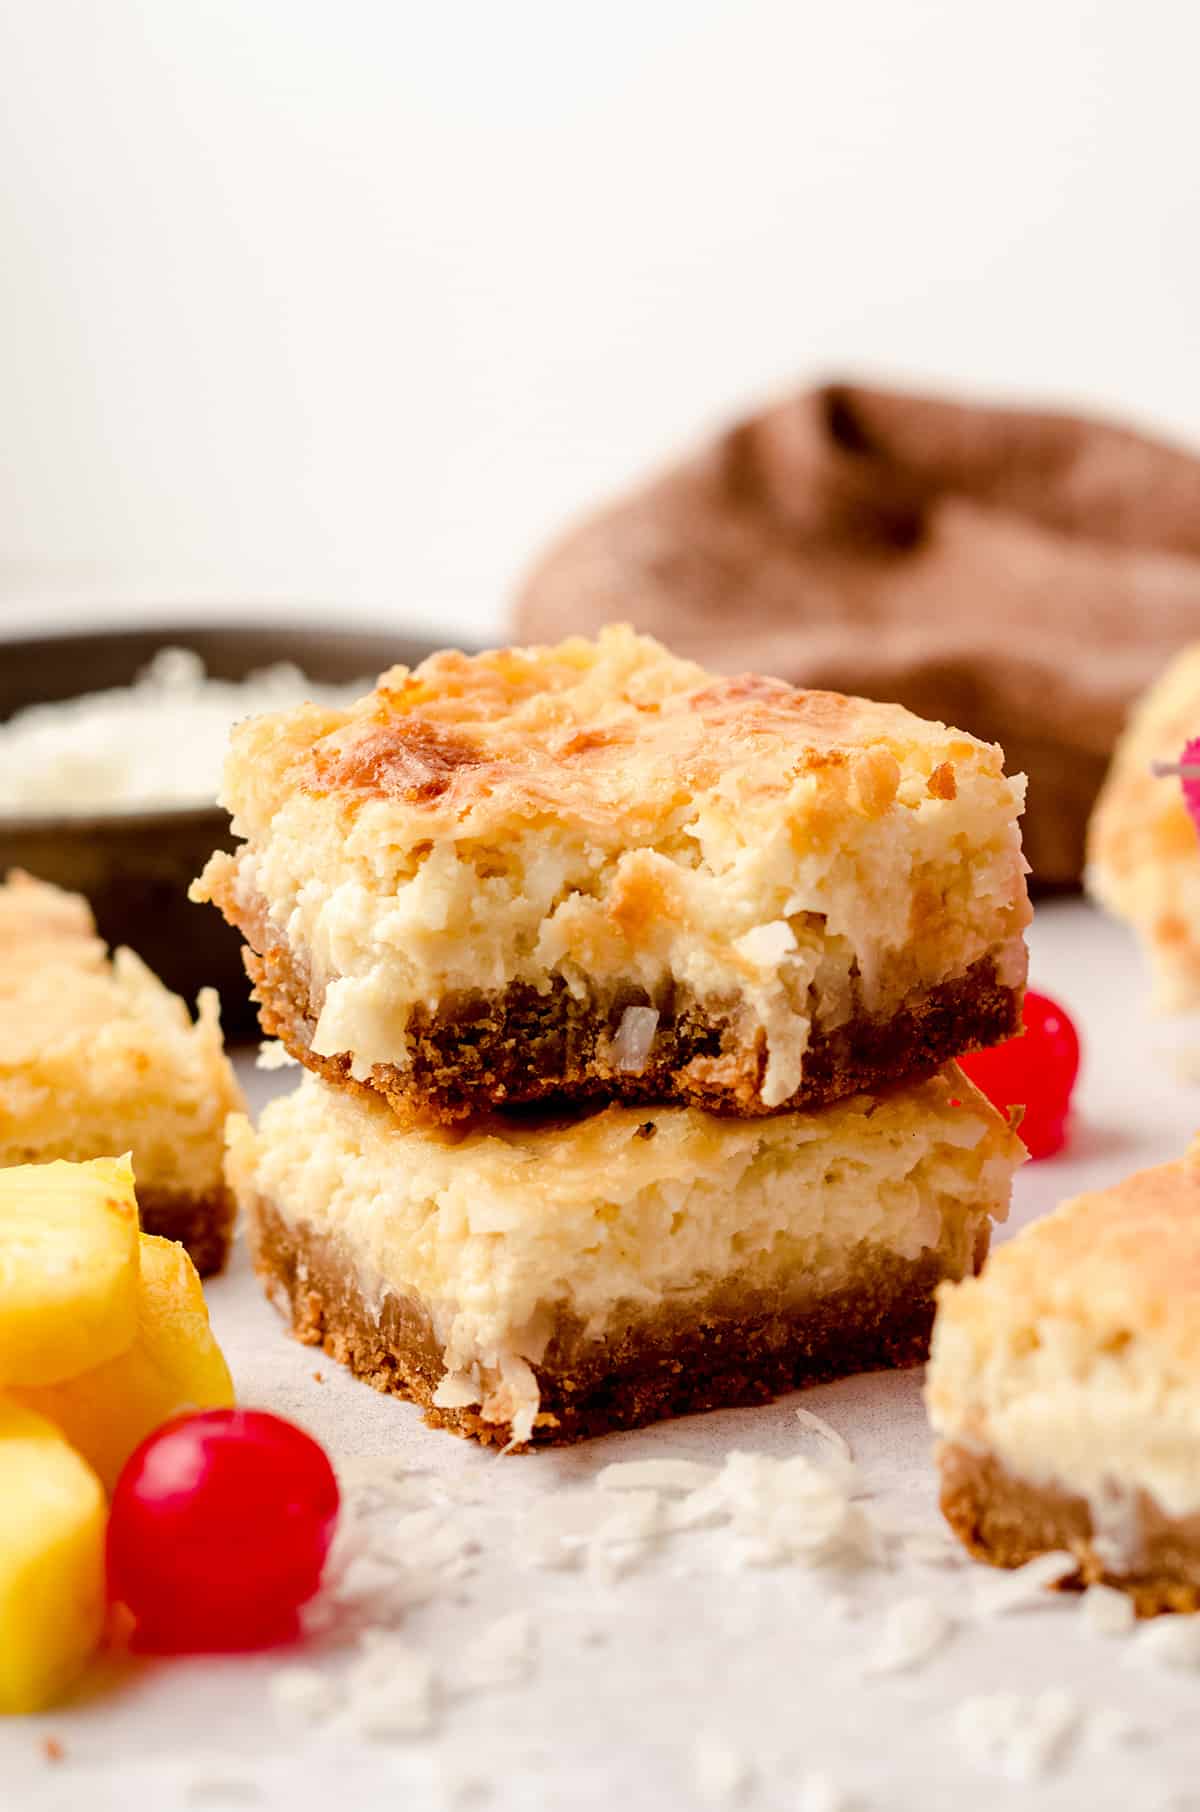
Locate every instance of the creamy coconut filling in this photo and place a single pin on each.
(500, 1232)
(1100, 1420)
(866, 916)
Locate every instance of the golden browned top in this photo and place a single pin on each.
(1122, 1263)
(612, 732)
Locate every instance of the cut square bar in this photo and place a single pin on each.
(540, 1279)
(1065, 1388)
(597, 871)
(98, 1058)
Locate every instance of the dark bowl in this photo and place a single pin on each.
(135, 867)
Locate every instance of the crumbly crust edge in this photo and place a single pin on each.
(203, 1224)
(1006, 1520)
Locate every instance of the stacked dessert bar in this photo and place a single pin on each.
(630, 996)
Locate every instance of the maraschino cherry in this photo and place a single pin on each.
(1188, 769)
(1035, 1070)
(219, 1529)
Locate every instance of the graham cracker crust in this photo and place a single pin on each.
(1006, 1521)
(729, 1348)
(203, 1224)
(481, 1051)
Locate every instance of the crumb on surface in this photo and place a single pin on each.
(53, 1749)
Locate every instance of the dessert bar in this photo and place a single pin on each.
(98, 1058)
(597, 871)
(1065, 1389)
(540, 1278)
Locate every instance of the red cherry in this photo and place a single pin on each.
(219, 1529)
(1035, 1070)
(1191, 786)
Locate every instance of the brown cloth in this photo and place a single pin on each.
(1017, 574)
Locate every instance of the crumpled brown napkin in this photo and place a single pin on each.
(1018, 574)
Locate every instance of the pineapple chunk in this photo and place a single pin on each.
(174, 1364)
(52, 1524)
(68, 1268)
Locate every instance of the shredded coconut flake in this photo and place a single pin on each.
(223, 1790)
(781, 1511)
(302, 1694)
(456, 1390)
(621, 1541)
(720, 1775)
(913, 1630)
(425, 1543)
(611, 1531)
(1109, 1729)
(1170, 1642)
(394, 1550)
(274, 1056)
(1024, 1588)
(766, 946)
(819, 1792)
(633, 1039)
(930, 1548)
(466, 1788)
(655, 1475)
(808, 1418)
(501, 1655)
(1024, 1737)
(390, 1690)
(1107, 1611)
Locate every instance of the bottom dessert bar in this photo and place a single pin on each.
(536, 1280)
(1065, 1388)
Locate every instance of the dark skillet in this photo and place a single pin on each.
(135, 866)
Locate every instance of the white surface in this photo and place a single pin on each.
(357, 302)
(765, 1663)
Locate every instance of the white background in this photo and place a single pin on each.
(355, 301)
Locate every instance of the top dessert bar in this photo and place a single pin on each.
(595, 870)
(98, 1058)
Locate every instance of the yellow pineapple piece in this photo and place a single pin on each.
(68, 1268)
(174, 1364)
(52, 1524)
